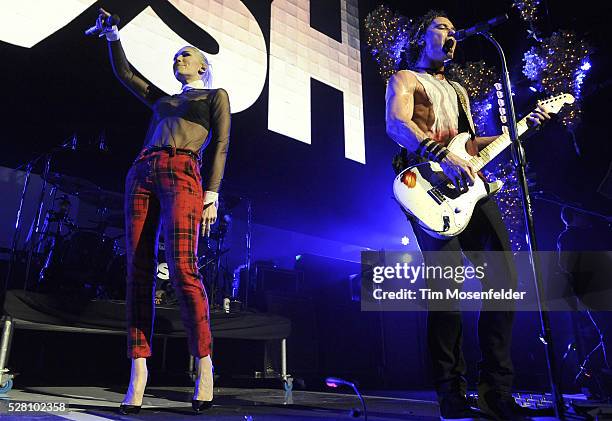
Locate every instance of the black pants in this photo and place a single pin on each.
(485, 232)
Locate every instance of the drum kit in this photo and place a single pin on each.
(91, 260)
(77, 257)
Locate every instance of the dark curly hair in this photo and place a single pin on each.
(414, 47)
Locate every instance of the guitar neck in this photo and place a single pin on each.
(494, 148)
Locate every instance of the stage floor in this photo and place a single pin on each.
(173, 403)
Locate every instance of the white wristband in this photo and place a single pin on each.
(112, 34)
(210, 197)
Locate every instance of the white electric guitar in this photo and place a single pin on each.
(424, 191)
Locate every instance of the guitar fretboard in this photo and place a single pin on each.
(496, 147)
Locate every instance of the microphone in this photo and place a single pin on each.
(103, 24)
(480, 27)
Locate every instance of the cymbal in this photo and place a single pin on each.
(102, 198)
(69, 184)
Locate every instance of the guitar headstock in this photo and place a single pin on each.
(554, 104)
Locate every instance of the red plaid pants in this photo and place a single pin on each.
(166, 187)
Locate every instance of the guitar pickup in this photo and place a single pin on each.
(436, 195)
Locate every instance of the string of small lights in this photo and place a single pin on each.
(528, 9)
(559, 64)
(386, 34)
(478, 79)
(509, 201)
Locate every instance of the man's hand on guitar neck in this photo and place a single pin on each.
(537, 117)
(459, 171)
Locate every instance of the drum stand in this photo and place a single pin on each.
(35, 234)
(249, 236)
(16, 233)
(211, 262)
(61, 219)
(69, 143)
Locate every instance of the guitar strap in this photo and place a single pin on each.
(466, 124)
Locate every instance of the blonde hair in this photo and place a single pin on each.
(207, 75)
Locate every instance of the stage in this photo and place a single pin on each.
(167, 403)
(172, 403)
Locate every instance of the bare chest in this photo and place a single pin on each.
(423, 114)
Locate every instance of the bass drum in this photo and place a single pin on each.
(116, 275)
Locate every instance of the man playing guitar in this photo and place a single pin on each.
(424, 111)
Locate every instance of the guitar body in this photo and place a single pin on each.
(424, 191)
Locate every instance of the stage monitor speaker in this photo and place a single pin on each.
(267, 279)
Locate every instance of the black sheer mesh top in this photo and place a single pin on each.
(193, 119)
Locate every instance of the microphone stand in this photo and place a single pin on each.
(248, 238)
(521, 163)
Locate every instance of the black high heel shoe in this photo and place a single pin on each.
(199, 406)
(129, 409)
